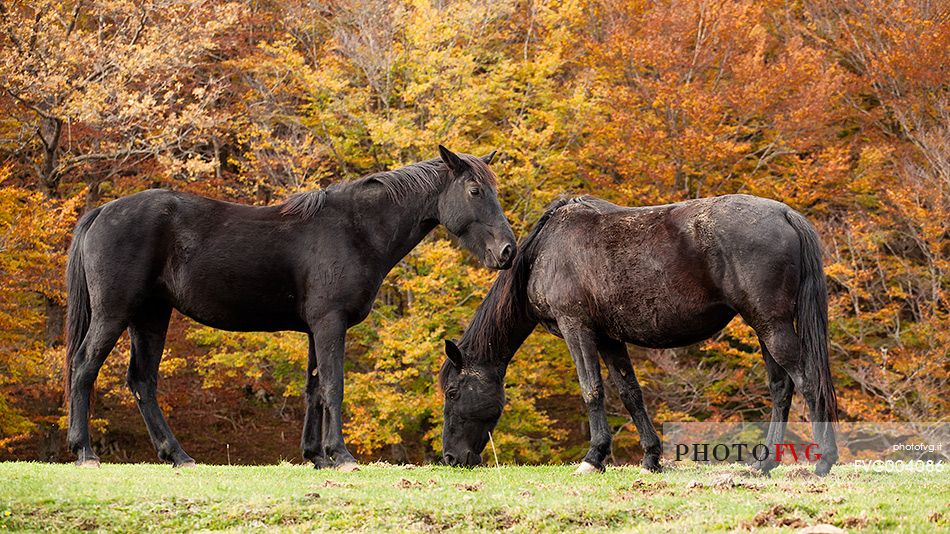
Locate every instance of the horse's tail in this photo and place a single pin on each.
(812, 320)
(78, 310)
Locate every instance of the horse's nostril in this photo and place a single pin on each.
(506, 252)
(450, 459)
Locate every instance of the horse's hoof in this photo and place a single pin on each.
(652, 466)
(88, 464)
(587, 468)
(186, 465)
(322, 463)
(822, 468)
(348, 467)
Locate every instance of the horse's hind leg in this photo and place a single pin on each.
(147, 333)
(583, 346)
(614, 354)
(100, 338)
(784, 346)
(781, 388)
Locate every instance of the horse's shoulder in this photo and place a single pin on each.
(583, 208)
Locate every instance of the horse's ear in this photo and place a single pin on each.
(488, 159)
(452, 160)
(454, 353)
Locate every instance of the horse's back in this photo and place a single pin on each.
(217, 262)
(753, 253)
(656, 276)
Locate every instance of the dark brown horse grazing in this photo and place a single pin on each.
(312, 264)
(600, 275)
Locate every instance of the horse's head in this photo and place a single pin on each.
(469, 209)
(474, 398)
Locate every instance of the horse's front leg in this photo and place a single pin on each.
(329, 334)
(311, 442)
(582, 342)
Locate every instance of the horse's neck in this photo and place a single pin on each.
(394, 227)
(516, 333)
(502, 321)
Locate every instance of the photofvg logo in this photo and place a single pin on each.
(747, 452)
(873, 446)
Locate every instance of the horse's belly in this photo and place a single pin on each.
(235, 303)
(665, 328)
(240, 317)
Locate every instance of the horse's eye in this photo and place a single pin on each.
(452, 393)
(475, 191)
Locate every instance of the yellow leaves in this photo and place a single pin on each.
(274, 361)
(393, 131)
(739, 344)
(840, 272)
(33, 234)
(171, 364)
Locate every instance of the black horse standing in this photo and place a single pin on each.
(313, 264)
(599, 275)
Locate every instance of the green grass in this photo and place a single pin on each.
(384, 497)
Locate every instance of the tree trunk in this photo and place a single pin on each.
(50, 132)
(55, 322)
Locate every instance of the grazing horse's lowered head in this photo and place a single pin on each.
(469, 209)
(474, 400)
(472, 377)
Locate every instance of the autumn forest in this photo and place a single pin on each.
(839, 108)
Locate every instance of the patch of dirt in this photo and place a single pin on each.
(751, 472)
(335, 484)
(655, 485)
(936, 517)
(695, 484)
(477, 486)
(405, 483)
(776, 516)
(726, 481)
(503, 520)
(426, 522)
(800, 473)
(855, 521)
(827, 516)
(816, 488)
(312, 495)
(87, 525)
(641, 488)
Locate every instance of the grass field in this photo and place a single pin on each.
(386, 497)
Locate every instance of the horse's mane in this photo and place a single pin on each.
(507, 300)
(416, 179)
(304, 205)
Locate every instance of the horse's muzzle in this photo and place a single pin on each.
(468, 459)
